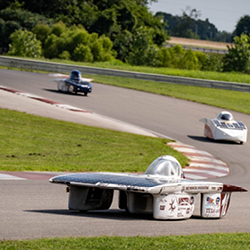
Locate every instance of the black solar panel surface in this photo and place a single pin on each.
(118, 179)
(237, 125)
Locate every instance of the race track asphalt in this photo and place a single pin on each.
(35, 208)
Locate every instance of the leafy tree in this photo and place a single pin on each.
(42, 31)
(176, 52)
(97, 51)
(65, 42)
(81, 36)
(123, 44)
(14, 4)
(82, 53)
(24, 43)
(143, 50)
(224, 36)
(26, 19)
(76, 43)
(183, 28)
(65, 55)
(51, 47)
(110, 18)
(7, 28)
(190, 60)
(238, 56)
(210, 61)
(64, 39)
(243, 26)
(58, 28)
(164, 57)
(189, 26)
(14, 19)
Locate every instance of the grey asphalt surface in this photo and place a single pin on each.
(36, 208)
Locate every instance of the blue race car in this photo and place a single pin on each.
(75, 83)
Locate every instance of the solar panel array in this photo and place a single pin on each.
(238, 125)
(110, 178)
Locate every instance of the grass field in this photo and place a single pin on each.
(237, 241)
(33, 143)
(226, 99)
(210, 75)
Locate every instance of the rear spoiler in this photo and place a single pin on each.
(232, 188)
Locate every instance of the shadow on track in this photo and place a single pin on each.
(64, 93)
(112, 214)
(208, 140)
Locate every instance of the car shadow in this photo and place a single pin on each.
(208, 140)
(111, 214)
(199, 138)
(64, 93)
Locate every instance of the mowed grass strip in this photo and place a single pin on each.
(210, 75)
(236, 241)
(33, 143)
(226, 99)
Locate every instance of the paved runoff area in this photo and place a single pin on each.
(202, 164)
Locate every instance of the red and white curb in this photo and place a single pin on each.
(202, 164)
(42, 99)
(7, 175)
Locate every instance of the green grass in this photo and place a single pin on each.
(236, 241)
(33, 143)
(210, 75)
(226, 99)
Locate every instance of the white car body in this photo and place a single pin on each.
(161, 191)
(228, 130)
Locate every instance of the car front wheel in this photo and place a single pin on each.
(71, 89)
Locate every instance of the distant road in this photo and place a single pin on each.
(196, 42)
(201, 45)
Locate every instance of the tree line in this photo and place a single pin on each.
(124, 31)
(188, 25)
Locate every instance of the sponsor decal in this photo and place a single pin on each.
(162, 207)
(185, 201)
(180, 215)
(211, 210)
(191, 200)
(188, 211)
(190, 188)
(172, 205)
(212, 206)
(211, 201)
(218, 200)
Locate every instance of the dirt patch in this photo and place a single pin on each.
(199, 43)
